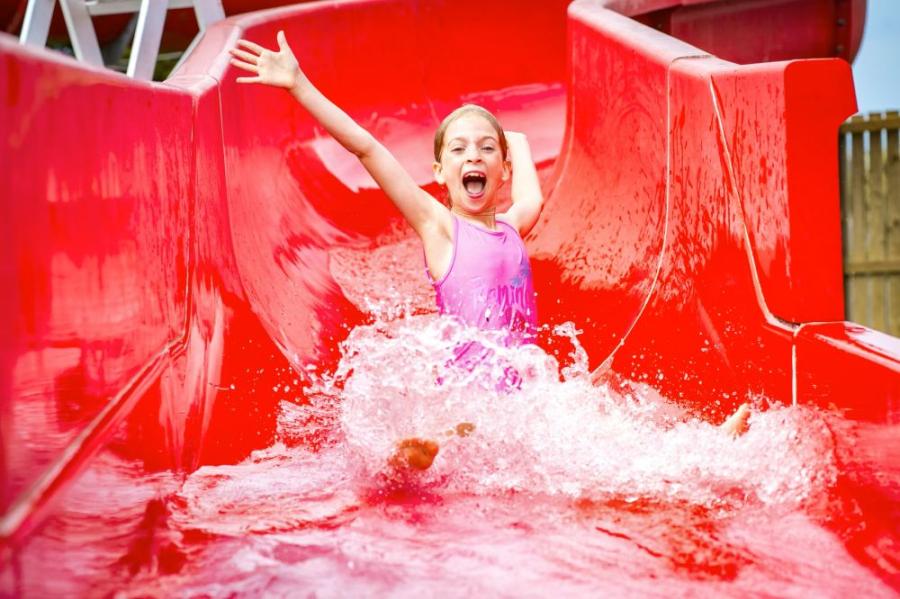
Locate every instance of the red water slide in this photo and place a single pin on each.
(173, 250)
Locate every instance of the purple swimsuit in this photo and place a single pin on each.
(488, 284)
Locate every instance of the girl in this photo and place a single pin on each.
(474, 256)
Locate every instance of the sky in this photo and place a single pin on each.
(876, 70)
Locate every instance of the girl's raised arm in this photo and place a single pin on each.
(422, 211)
(526, 187)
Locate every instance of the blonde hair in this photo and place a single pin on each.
(462, 111)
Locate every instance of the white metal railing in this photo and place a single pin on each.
(147, 35)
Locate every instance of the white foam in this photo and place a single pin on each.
(557, 434)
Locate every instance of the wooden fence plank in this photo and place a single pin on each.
(857, 310)
(885, 267)
(844, 182)
(892, 230)
(859, 123)
(875, 223)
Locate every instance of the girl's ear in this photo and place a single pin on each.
(438, 173)
(507, 170)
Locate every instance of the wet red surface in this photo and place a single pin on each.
(185, 258)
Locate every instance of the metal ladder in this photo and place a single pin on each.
(147, 35)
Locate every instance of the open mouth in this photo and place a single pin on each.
(474, 183)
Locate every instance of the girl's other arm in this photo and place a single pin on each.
(280, 69)
(526, 188)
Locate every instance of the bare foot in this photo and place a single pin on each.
(463, 429)
(414, 453)
(736, 425)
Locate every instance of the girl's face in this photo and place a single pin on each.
(472, 164)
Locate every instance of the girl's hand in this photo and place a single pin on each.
(278, 69)
(516, 141)
(514, 137)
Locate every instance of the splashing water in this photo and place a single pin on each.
(557, 434)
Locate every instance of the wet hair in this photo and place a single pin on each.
(462, 111)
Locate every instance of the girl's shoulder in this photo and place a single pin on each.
(503, 219)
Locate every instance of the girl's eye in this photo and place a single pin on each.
(456, 150)
(488, 149)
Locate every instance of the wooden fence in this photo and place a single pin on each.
(869, 154)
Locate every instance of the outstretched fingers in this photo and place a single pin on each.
(245, 56)
(245, 65)
(251, 46)
(273, 67)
